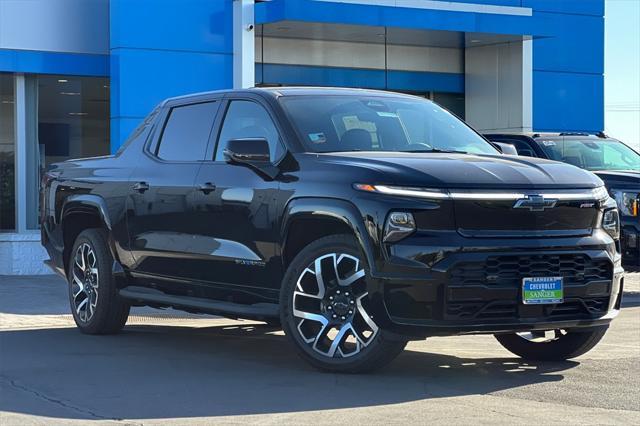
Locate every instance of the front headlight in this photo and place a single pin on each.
(627, 201)
(398, 226)
(611, 223)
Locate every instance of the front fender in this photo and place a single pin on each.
(366, 232)
(346, 212)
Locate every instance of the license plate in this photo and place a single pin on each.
(542, 290)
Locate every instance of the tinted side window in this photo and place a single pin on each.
(522, 147)
(246, 119)
(187, 132)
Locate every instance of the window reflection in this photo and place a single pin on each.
(72, 122)
(73, 117)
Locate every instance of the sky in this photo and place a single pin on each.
(622, 71)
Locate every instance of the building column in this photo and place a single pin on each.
(27, 161)
(21, 172)
(498, 86)
(243, 44)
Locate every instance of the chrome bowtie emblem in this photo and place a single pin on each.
(535, 203)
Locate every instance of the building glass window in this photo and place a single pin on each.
(454, 102)
(7, 153)
(67, 117)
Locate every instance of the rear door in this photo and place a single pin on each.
(161, 207)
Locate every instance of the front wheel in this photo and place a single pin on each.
(552, 345)
(325, 309)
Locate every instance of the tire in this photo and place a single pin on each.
(331, 328)
(562, 346)
(95, 304)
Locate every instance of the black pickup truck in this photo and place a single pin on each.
(357, 220)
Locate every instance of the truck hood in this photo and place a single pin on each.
(621, 178)
(452, 170)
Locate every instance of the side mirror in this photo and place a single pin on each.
(506, 148)
(252, 152)
(247, 151)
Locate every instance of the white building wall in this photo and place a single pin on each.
(329, 53)
(22, 254)
(55, 25)
(425, 59)
(498, 86)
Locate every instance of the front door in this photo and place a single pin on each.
(238, 215)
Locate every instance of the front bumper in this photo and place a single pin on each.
(477, 288)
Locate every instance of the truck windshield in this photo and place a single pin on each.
(352, 123)
(592, 154)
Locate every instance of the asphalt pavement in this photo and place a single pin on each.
(170, 367)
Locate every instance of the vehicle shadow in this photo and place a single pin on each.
(631, 299)
(150, 372)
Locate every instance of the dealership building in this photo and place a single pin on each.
(76, 76)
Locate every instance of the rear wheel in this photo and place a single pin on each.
(552, 345)
(325, 309)
(95, 304)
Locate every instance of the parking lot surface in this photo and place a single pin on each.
(169, 367)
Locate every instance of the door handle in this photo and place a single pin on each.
(207, 187)
(141, 187)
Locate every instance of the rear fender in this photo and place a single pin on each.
(86, 203)
(95, 205)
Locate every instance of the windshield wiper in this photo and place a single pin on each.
(436, 150)
(413, 151)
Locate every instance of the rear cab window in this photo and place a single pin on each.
(186, 132)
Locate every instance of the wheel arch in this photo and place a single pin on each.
(307, 219)
(80, 212)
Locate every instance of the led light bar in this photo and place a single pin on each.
(411, 192)
(597, 194)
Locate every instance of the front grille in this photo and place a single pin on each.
(590, 306)
(491, 290)
(496, 218)
(509, 270)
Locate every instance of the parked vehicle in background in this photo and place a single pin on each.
(357, 219)
(615, 163)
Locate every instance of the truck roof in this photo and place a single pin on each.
(296, 91)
